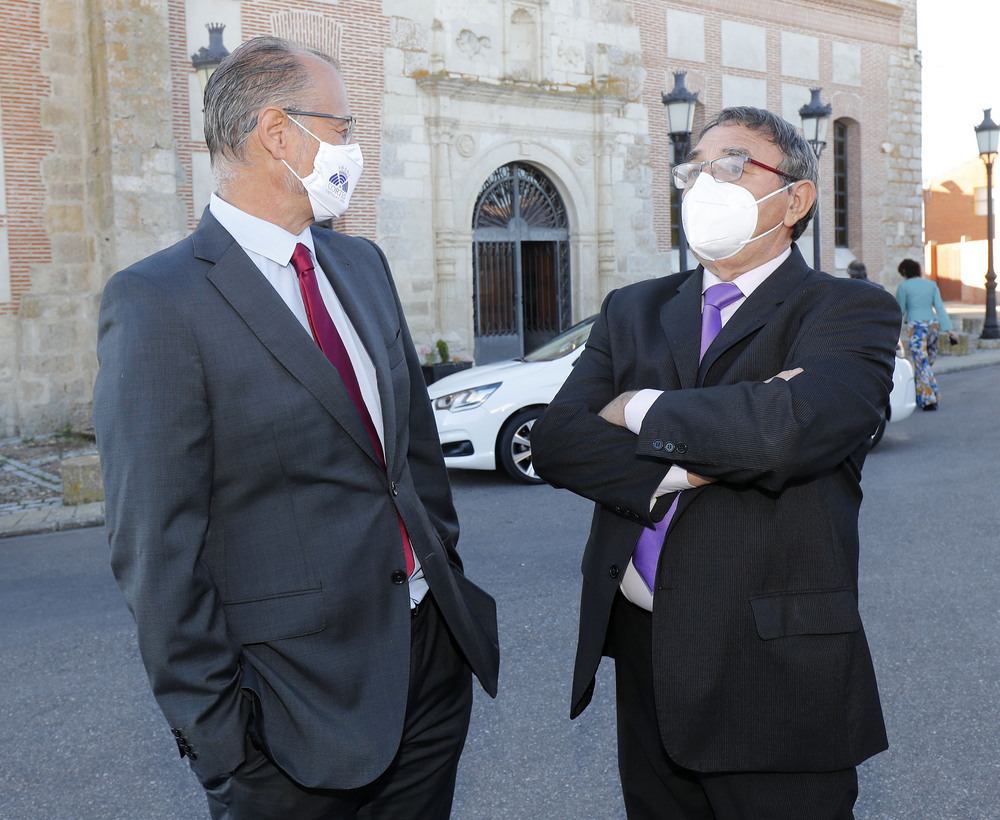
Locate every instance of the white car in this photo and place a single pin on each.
(485, 414)
(903, 398)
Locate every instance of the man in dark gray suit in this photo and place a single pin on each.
(719, 418)
(279, 515)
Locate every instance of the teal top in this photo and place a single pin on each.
(920, 299)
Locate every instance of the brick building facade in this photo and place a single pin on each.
(955, 231)
(516, 151)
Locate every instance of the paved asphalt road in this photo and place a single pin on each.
(81, 739)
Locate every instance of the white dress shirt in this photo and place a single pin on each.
(270, 249)
(632, 585)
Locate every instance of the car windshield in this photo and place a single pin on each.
(563, 343)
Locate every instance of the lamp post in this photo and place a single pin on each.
(815, 120)
(680, 104)
(206, 60)
(987, 135)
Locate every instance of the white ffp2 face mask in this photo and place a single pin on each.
(720, 217)
(336, 170)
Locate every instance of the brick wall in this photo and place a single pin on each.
(363, 34)
(950, 205)
(885, 199)
(24, 89)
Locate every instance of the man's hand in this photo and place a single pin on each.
(614, 410)
(787, 375)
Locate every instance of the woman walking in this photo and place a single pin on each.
(924, 313)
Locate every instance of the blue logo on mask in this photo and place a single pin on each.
(339, 180)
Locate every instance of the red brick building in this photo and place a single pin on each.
(955, 231)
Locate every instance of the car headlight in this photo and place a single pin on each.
(466, 399)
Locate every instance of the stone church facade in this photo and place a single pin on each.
(516, 152)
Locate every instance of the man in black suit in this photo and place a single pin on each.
(722, 566)
(279, 515)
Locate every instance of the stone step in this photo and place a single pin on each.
(81, 480)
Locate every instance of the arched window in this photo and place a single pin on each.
(520, 255)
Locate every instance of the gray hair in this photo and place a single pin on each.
(260, 72)
(799, 160)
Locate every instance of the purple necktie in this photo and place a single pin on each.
(325, 333)
(646, 555)
(716, 298)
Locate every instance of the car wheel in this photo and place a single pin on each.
(514, 446)
(877, 435)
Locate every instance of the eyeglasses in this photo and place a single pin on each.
(346, 134)
(723, 169)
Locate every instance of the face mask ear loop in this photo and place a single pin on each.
(773, 193)
(311, 134)
(746, 242)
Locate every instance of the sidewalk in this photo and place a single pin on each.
(31, 487)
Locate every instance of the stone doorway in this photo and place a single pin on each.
(520, 257)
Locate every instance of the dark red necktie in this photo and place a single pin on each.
(325, 333)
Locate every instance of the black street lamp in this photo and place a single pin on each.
(987, 135)
(815, 120)
(680, 104)
(206, 60)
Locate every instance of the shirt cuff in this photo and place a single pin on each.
(675, 480)
(638, 406)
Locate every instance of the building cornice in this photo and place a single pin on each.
(595, 97)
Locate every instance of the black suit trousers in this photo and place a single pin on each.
(656, 788)
(419, 783)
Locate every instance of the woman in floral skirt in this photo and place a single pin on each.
(924, 313)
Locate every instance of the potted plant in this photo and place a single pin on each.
(438, 363)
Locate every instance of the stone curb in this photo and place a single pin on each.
(969, 361)
(52, 519)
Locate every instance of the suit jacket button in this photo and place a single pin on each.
(613, 571)
(657, 444)
(682, 448)
(669, 446)
(398, 576)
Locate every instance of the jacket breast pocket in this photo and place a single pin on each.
(290, 615)
(815, 612)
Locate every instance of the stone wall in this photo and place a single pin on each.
(483, 86)
(108, 182)
(902, 203)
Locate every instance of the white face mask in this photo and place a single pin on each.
(720, 217)
(336, 170)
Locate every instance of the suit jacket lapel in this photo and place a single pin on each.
(246, 290)
(680, 318)
(357, 298)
